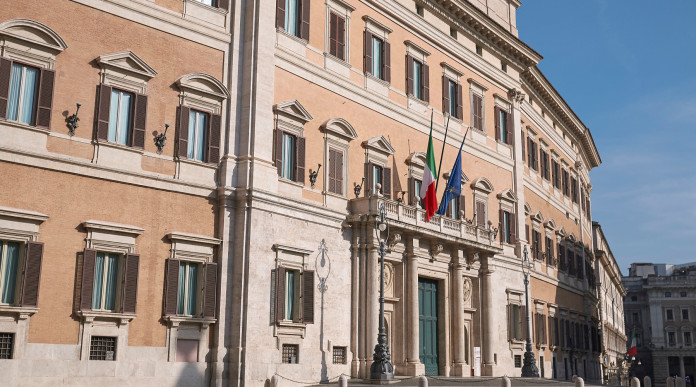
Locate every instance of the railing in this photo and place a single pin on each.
(411, 215)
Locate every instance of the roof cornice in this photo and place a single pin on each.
(535, 80)
(488, 30)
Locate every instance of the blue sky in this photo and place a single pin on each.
(627, 69)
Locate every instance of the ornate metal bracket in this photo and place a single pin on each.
(161, 139)
(401, 199)
(72, 121)
(358, 188)
(313, 175)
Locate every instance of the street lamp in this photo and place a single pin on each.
(529, 369)
(381, 368)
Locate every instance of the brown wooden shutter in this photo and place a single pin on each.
(409, 75)
(513, 228)
(332, 170)
(308, 297)
(139, 121)
(508, 129)
(333, 34)
(103, 112)
(171, 287)
(300, 166)
(32, 274)
(210, 290)
(182, 138)
(524, 156)
(501, 225)
(369, 173)
(412, 195)
(461, 206)
(367, 51)
(387, 61)
(214, 127)
(460, 110)
(387, 182)
(130, 285)
(5, 77)
(426, 82)
(278, 153)
(304, 26)
(223, 4)
(87, 289)
(341, 41)
(511, 322)
(496, 114)
(280, 13)
(526, 233)
(445, 96)
(338, 174)
(45, 99)
(280, 294)
(480, 214)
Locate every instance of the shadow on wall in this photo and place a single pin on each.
(193, 374)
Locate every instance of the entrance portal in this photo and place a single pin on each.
(427, 324)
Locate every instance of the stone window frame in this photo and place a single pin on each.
(199, 249)
(338, 133)
(481, 188)
(288, 332)
(291, 117)
(19, 225)
(382, 32)
(452, 74)
(420, 55)
(343, 9)
(504, 105)
(516, 297)
(116, 238)
(537, 220)
(477, 88)
(460, 206)
(377, 151)
(508, 200)
(214, 15)
(416, 170)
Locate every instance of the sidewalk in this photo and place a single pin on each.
(444, 381)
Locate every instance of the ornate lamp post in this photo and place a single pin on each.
(381, 368)
(529, 369)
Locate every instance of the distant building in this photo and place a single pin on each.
(660, 306)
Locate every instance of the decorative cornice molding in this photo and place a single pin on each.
(186, 237)
(24, 215)
(112, 227)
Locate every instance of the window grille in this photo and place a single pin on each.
(102, 348)
(518, 361)
(290, 353)
(6, 344)
(339, 355)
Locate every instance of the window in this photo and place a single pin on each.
(106, 282)
(292, 17)
(566, 190)
(102, 348)
(481, 216)
(561, 257)
(419, 10)
(291, 296)
(574, 189)
(197, 130)
(685, 314)
(120, 117)
(187, 350)
(290, 353)
(533, 151)
(377, 58)
(453, 32)
(516, 322)
(536, 245)
(376, 50)
(669, 315)
(337, 36)
(549, 252)
(556, 174)
(636, 318)
(540, 328)
(289, 151)
(418, 184)
(671, 339)
(187, 298)
(6, 345)
(634, 298)
(668, 294)
(335, 171)
(477, 111)
(376, 174)
(503, 126)
(545, 173)
(23, 87)
(507, 221)
(687, 340)
(294, 295)
(479, 50)
(682, 294)
(518, 361)
(211, 3)
(453, 208)
(503, 66)
(339, 355)
(190, 287)
(9, 265)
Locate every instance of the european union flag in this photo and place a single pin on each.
(454, 183)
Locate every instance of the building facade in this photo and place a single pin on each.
(244, 246)
(659, 308)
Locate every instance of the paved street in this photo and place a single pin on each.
(442, 381)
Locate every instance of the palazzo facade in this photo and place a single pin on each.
(243, 246)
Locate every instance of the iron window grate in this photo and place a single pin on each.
(518, 361)
(290, 353)
(6, 344)
(339, 355)
(102, 348)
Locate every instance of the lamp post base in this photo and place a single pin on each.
(529, 369)
(381, 368)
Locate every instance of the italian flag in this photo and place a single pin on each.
(633, 350)
(427, 192)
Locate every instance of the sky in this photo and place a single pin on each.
(627, 69)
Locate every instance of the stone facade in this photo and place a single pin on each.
(659, 307)
(312, 125)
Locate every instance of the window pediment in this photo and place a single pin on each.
(561, 232)
(537, 217)
(33, 33)
(527, 209)
(201, 83)
(379, 144)
(340, 128)
(465, 178)
(294, 110)
(126, 61)
(508, 195)
(417, 159)
(550, 224)
(482, 184)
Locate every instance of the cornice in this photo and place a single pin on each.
(535, 80)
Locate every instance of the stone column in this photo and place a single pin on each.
(487, 308)
(682, 373)
(372, 314)
(355, 294)
(458, 309)
(413, 364)
(517, 97)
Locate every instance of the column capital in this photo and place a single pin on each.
(516, 96)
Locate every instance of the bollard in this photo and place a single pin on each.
(670, 381)
(343, 381)
(275, 381)
(680, 382)
(647, 382)
(635, 382)
(505, 382)
(422, 381)
(579, 382)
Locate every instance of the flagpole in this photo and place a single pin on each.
(444, 194)
(437, 181)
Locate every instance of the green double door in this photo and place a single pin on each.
(427, 324)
